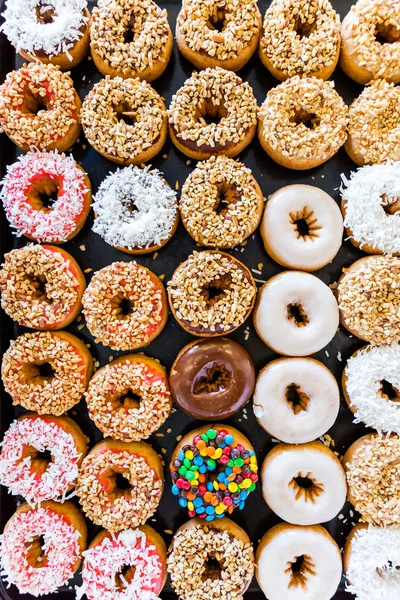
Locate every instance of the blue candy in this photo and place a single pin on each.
(243, 495)
(198, 460)
(181, 456)
(210, 518)
(210, 486)
(241, 505)
(220, 516)
(228, 470)
(229, 439)
(210, 510)
(182, 502)
(197, 502)
(203, 469)
(200, 510)
(221, 477)
(236, 500)
(175, 490)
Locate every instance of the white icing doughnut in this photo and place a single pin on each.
(296, 399)
(370, 199)
(296, 563)
(303, 484)
(296, 313)
(302, 227)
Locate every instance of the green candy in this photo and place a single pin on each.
(182, 471)
(211, 464)
(211, 434)
(187, 463)
(231, 463)
(189, 475)
(239, 462)
(204, 437)
(252, 487)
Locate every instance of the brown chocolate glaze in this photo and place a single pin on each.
(212, 378)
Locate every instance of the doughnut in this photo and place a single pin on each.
(303, 484)
(370, 41)
(41, 286)
(120, 484)
(41, 547)
(296, 314)
(213, 561)
(130, 38)
(136, 210)
(298, 562)
(28, 191)
(300, 38)
(296, 399)
(369, 299)
(212, 379)
(39, 108)
(371, 562)
(302, 122)
(130, 565)
(302, 227)
(125, 120)
(214, 112)
(221, 203)
(46, 371)
(24, 468)
(129, 398)
(213, 471)
(372, 471)
(376, 111)
(125, 306)
(48, 31)
(211, 293)
(211, 33)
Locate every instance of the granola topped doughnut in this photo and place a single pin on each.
(39, 108)
(371, 41)
(105, 111)
(218, 94)
(46, 371)
(218, 33)
(41, 287)
(49, 31)
(125, 306)
(221, 182)
(112, 398)
(302, 122)
(369, 299)
(211, 293)
(110, 464)
(300, 38)
(377, 111)
(130, 38)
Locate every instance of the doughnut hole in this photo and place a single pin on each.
(212, 567)
(305, 224)
(296, 398)
(214, 290)
(304, 28)
(126, 114)
(209, 113)
(217, 21)
(128, 400)
(45, 14)
(390, 206)
(129, 34)
(123, 307)
(305, 118)
(33, 103)
(124, 577)
(43, 192)
(115, 483)
(227, 197)
(297, 314)
(36, 554)
(40, 460)
(388, 391)
(299, 571)
(386, 34)
(212, 378)
(306, 487)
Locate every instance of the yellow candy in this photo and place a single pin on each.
(219, 509)
(203, 452)
(254, 468)
(216, 486)
(247, 483)
(241, 485)
(190, 505)
(232, 487)
(253, 460)
(196, 476)
(189, 455)
(194, 481)
(218, 453)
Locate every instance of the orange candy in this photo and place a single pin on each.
(201, 445)
(222, 486)
(208, 496)
(236, 470)
(214, 501)
(210, 451)
(202, 478)
(230, 509)
(232, 477)
(191, 496)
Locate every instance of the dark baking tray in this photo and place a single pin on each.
(256, 517)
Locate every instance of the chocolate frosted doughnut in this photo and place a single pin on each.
(212, 379)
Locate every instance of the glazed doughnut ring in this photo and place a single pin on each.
(39, 108)
(305, 562)
(302, 227)
(296, 399)
(303, 484)
(296, 313)
(302, 122)
(32, 180)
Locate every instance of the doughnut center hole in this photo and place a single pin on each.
(305, 224)
(129, 33)
(212, 568)
(305, 487)
(390, 206)
(209, 113)
(214, 290)
(39, 283)
(212, 379)
(125, 114)
(45, 370)
(126, 307)
(226, 196)
(121, 482)
(36, 555)
(124, 577)
(299, 570)
(296, 313)
(306, 118)
(297, 399)
(304, 482)
(389, 392)
(128, 400)
(216, 21)
(45, 14)
(386, 34)
(303, 28)
(33, 102)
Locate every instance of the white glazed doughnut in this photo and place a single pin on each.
(295, 563)
(296, 314)
(303, 484)
(370, 204)
(296, 399)
(302, 227)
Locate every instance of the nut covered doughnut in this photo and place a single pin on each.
(103, 112)
(125, 306)
(39, 108)
(41, 287)
(219, 94)
(302, 122)
(221, 179)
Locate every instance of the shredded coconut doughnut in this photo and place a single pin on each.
(373, 571)
(154, 209)
(104, 562)
(61, 548)
(27, 33)
(44, 169)
(16, 461)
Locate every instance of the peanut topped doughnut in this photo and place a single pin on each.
(221, 180)
(39, 108)
(215, 33)
(300, 38)
(215, 93)
(211, 293)
(41, 287)
(125, 306)
(104, 110)
(371, 41)
(130, 38)
(302, 122)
